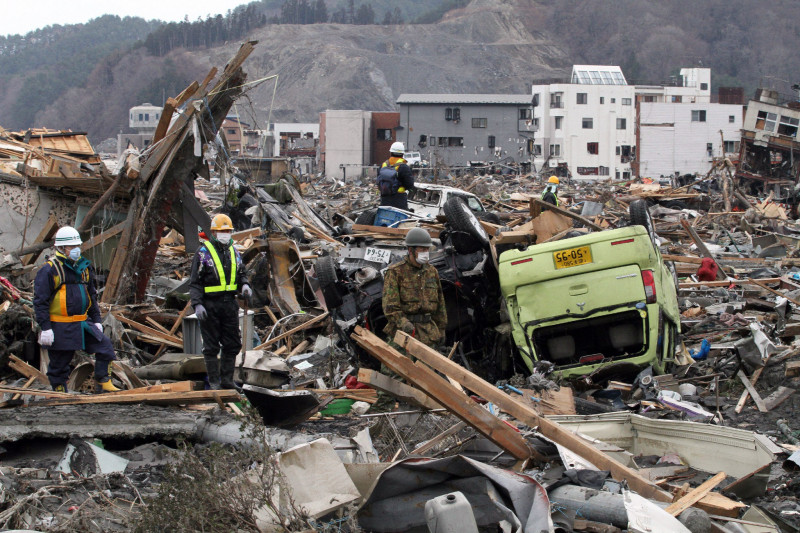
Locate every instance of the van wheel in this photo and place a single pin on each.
(325, 269)
(488, 216)
(367, 218)
(640, 216)
(462, 219)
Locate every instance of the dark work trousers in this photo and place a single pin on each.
(220, 331)
(58, 370)
(398, 200)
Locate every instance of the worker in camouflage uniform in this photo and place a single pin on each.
(413, 301)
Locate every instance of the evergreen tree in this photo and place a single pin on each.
(365, 15)
(320, 11)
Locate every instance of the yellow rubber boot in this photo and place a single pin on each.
(105, 386)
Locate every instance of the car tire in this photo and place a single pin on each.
(468, 234)
(675, 204)
(640, 216)
(367, 218)
(325, 269)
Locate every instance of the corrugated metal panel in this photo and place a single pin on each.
(511, 99)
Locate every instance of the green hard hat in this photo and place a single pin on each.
(418, 237)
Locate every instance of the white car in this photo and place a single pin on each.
(414, 159)
(428, 199)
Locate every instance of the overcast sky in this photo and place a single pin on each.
(17, 16)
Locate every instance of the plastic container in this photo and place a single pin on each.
(386, 216)
(451, 513)
(340, 406)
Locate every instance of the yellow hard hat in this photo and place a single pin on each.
(553, 179)
(221, 223)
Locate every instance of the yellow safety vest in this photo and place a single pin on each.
(220, 272)
(58, 305)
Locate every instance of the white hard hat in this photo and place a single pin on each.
(68, 236)
(397, 148)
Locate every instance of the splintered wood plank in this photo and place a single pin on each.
(395, 388)
(526, 414)
(695, 495)
(778, 397)
(27, 370)
(47, 233)
(159, 398)
(749, 386)
(438, 389)
(292, 331)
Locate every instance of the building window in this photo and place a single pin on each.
(626, 153)
(478, 122)
(448, 113)
(147, 117)
(677, 99)
(443, 141)
(766, 121)
(626, 175)
(731, 118)
(613, 100)
(384, 134)
(626, 101)
(649, 98)
(423, 141)
(587, 123)
(559, 122)
(455, 141)
(622, 123)
(525, 113)
(537, 149)
(141, 117)
(555, 101)
(582, 98)
(491, 141)
(602, 100)
(231, 131)
(788, 126)
(710, 149)
(593, 148)
(158, 115)
(456, 114)
(603, 171)
(555, 150)
(731, 147)
(703, 86)
(699, 115)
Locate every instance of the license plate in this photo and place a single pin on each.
(572, 257)
(377, 255)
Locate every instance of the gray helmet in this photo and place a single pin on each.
(418, 237)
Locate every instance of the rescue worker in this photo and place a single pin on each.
(395, 178)
(217, 274)
(412, 293)
(549, 193)
(65, 305)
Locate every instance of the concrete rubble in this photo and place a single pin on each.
(706, 443)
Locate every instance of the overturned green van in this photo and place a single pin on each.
(593, 301)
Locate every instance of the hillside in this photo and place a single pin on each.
(486, 46)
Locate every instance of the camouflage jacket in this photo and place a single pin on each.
(414, 294)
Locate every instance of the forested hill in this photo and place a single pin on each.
(359, 54)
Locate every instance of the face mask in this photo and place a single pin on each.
(224, 238)
(75, 254)
(423, 257)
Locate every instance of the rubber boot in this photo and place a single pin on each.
(104, 384)
(59, 388)
(227, 366)
(212, 369)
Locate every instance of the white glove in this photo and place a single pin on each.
(46, 337)
(247, 292)
(99, 327)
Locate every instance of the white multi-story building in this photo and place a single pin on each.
(586, 124)
(680, 131)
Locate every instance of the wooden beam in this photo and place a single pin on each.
(530, 417)
(695, 495)
(159, 398)
(780, 395)
(103, 236)
(47, 233)
(692, 285)
(166, 116)
(437, 388)
(752, 391)
(399, 390)
(422, 449)
(701, 247)
(27, 370)
(292, 331)
(148, 330)
(399, 232)
(773, 291)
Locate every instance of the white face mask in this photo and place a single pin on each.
(75, 254)
(423, 257)
(224, 238)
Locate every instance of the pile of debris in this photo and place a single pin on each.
(500, 429)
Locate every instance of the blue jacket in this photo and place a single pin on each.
(79, 295)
